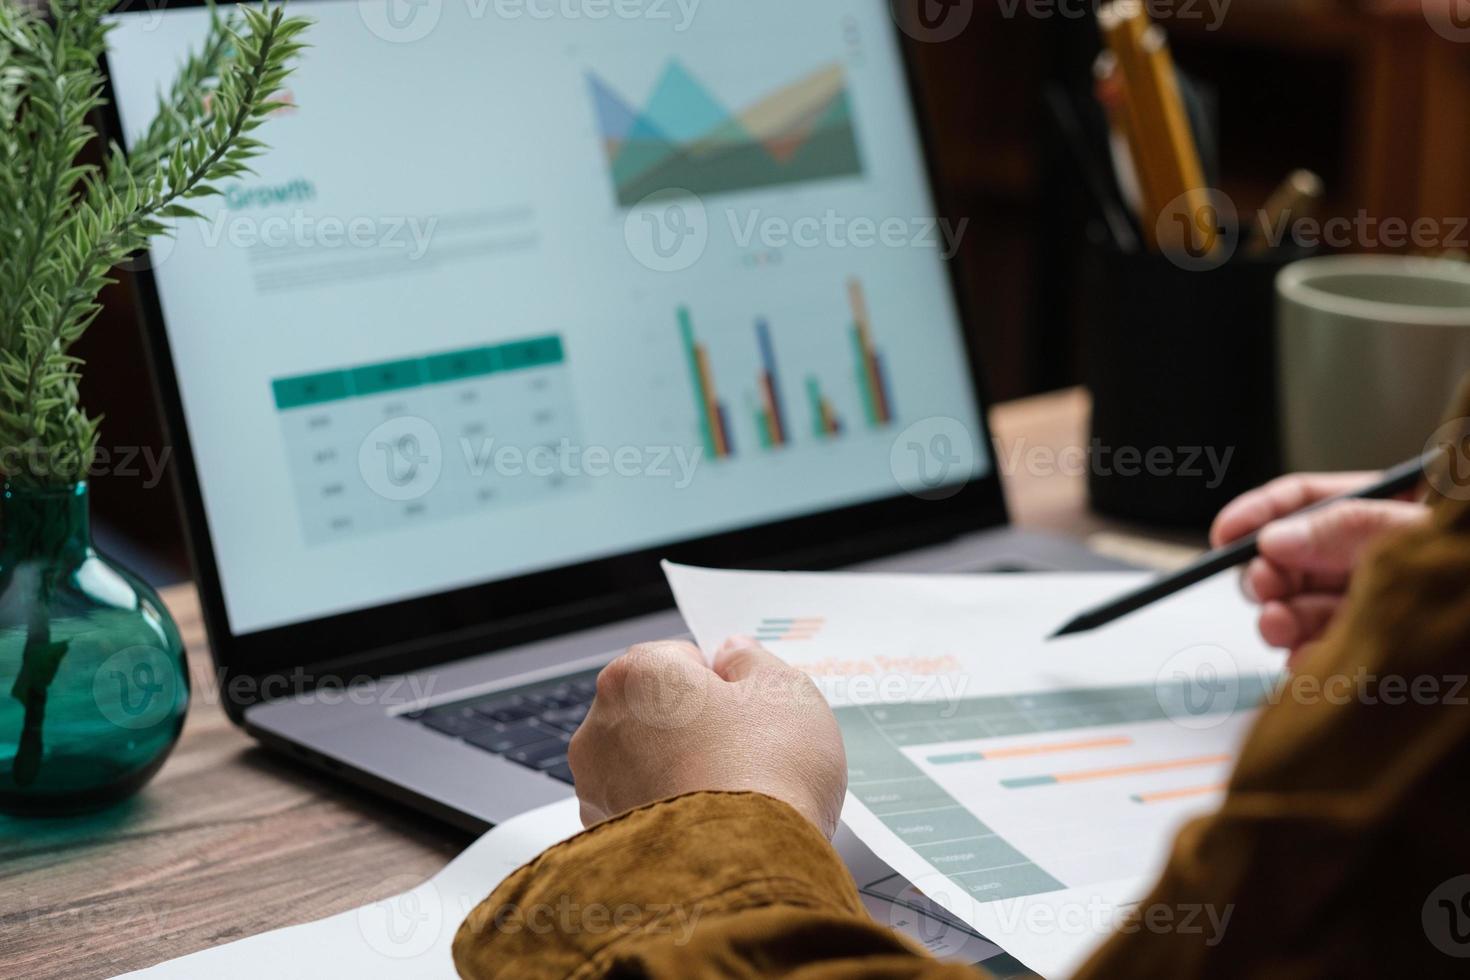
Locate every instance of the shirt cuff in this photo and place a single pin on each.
(655, 871)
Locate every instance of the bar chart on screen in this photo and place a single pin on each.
(773, 402)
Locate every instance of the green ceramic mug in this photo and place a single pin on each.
(1370, 349)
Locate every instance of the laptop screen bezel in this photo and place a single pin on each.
(435, 629)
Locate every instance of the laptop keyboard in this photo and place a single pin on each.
(530, 725)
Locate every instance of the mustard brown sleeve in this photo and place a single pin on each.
(704, 885)
(1340, 849)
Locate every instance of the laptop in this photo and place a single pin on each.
(523, 299)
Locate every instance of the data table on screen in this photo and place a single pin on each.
(385, 446)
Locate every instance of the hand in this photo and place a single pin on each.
(665, 724)
(1307, 561)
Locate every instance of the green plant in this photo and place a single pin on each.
(64, 224)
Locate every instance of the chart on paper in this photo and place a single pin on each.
(1057, 776)
(1015, 781)
(1076, 764)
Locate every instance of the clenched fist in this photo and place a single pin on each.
(665, 724)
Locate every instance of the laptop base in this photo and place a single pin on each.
(369, 736)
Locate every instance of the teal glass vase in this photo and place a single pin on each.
(93, 680)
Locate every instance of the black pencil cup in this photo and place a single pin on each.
(1181, 363)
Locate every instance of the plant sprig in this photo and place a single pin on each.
(65, 225)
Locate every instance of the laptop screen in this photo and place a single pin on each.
(522, 284)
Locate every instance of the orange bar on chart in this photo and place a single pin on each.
(1178, 794)
(1137, 769)
(773, 413)
(876, 396)
(1019, 751)
(711, 405)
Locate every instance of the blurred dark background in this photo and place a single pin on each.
(1368, 96)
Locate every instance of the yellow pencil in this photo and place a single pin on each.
(1164, 149)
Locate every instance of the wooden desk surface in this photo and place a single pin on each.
(230, 840)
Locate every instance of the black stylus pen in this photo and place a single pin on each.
(1400, 479)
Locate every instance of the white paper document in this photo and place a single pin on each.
(408, 936)
(405, 936)
(1030, 787)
